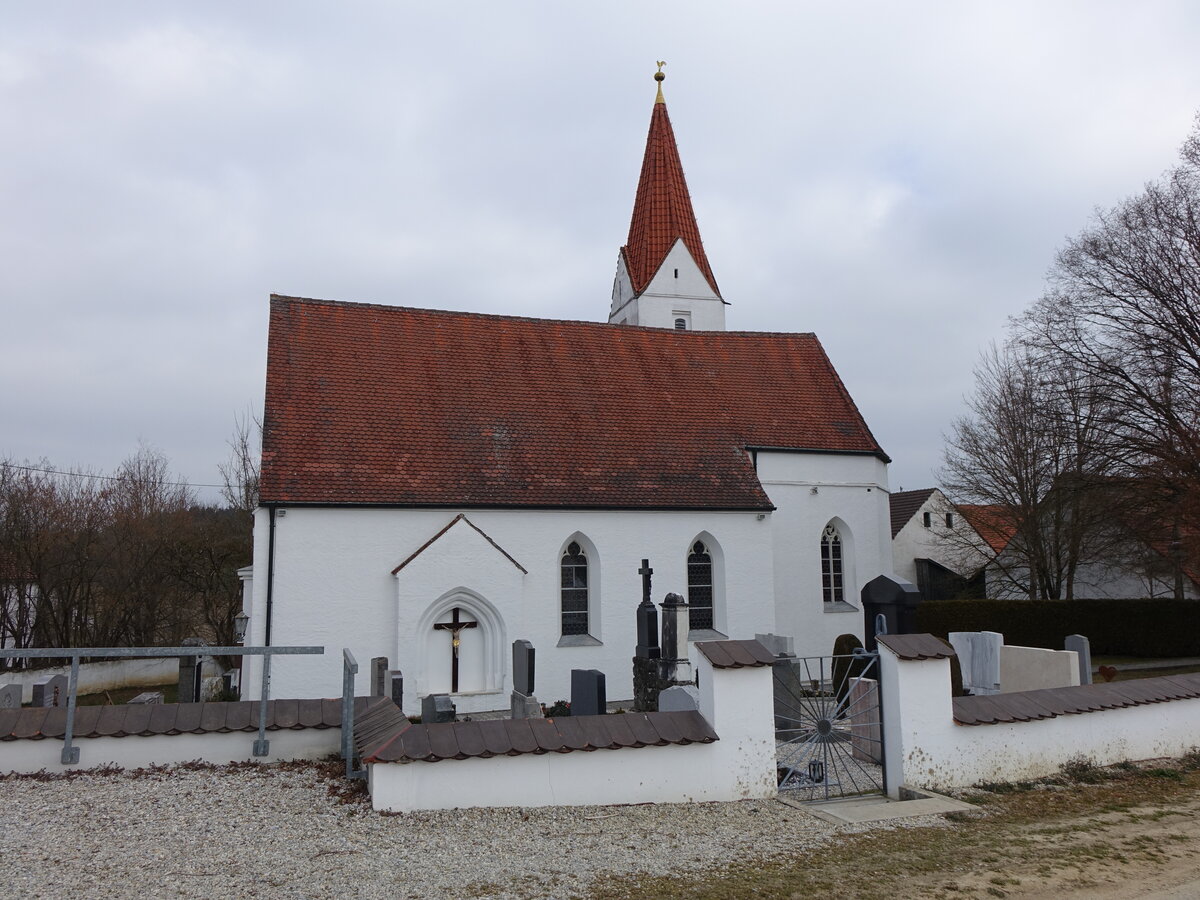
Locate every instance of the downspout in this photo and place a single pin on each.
(270, 571)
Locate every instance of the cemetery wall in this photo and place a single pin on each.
(738, 703)
(1150, 628)
(925, 748)
(135, 751)
(100, 676)
(334, 587)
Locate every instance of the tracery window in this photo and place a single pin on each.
(832, 588)
(700, 587)
(574, 590)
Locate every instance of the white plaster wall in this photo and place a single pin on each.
(666, 293)
(852, 489)
(334, 587)
(739, 766)
(100, 676)
(949, 546)
(161, 749)
(924, 748)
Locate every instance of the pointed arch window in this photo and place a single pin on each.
(700, 587)
(832, 574)
(574, 588)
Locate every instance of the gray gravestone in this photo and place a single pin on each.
(978, 655)
(778, 644)
(148, 697)
(191, 675)
(379, 667)
(676, 668)
(522, 659)
(679, 698)
(396, 684)
(525, 706)
(51, 692)
(10, 696)
(1083, 647)
(436, 708)
(587, 693)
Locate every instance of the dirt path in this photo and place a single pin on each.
(1113, 834)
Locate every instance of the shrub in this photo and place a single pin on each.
(1145, 628)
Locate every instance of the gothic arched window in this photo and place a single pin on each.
(574, 589)
(832, 588)
(700, 587)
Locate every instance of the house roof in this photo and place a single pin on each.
(384, 405)
(991, 522)
(662, 208)
(905, 505)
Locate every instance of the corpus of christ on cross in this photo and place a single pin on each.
(454, 626)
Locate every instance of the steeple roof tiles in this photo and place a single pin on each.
(398, 406)
(662, 209)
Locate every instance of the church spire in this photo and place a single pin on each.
(662, 208)
(663, 257)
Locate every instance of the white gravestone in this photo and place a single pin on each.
(978, 655)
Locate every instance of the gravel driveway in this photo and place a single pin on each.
(289, 831)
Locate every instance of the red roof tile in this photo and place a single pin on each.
(993, 523)
(398, 406)
(662, 209)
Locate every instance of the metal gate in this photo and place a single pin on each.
(829, 726)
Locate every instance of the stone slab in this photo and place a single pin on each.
(10, 696)
(1033, 668)
(679, 698)
(883, 809)
(523, 667)
(44, 691)
(1081, 645)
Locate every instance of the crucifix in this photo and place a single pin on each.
(454, 626)
(645, 571)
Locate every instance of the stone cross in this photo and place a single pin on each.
(588, 693)
(645, 571)
(455, 627)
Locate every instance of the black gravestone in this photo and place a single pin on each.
(522, 653)
(587, 693)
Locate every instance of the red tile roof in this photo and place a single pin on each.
(398, 406)
(994, 523)
(662, 209)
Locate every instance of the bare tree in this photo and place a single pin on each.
(240, 472)
(1027, 450)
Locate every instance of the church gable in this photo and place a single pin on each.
(396, 406)
(467, 538)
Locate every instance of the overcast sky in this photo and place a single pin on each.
(893, 176)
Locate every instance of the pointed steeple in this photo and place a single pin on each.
(662, 208)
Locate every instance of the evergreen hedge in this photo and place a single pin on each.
(1149, 628)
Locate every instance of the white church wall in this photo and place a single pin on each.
(810, 490)
(334, 587)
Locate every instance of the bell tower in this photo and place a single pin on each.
(663, 277)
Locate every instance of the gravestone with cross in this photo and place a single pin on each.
(455, 626)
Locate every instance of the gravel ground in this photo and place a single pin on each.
(290, 831)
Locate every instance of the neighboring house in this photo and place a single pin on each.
(438, 484)
(935, 547)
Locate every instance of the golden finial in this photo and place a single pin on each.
(659, 77)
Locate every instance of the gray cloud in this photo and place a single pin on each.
(894, 177)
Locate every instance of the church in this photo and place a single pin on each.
(436, 485)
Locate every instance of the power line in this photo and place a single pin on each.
(102, 477)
